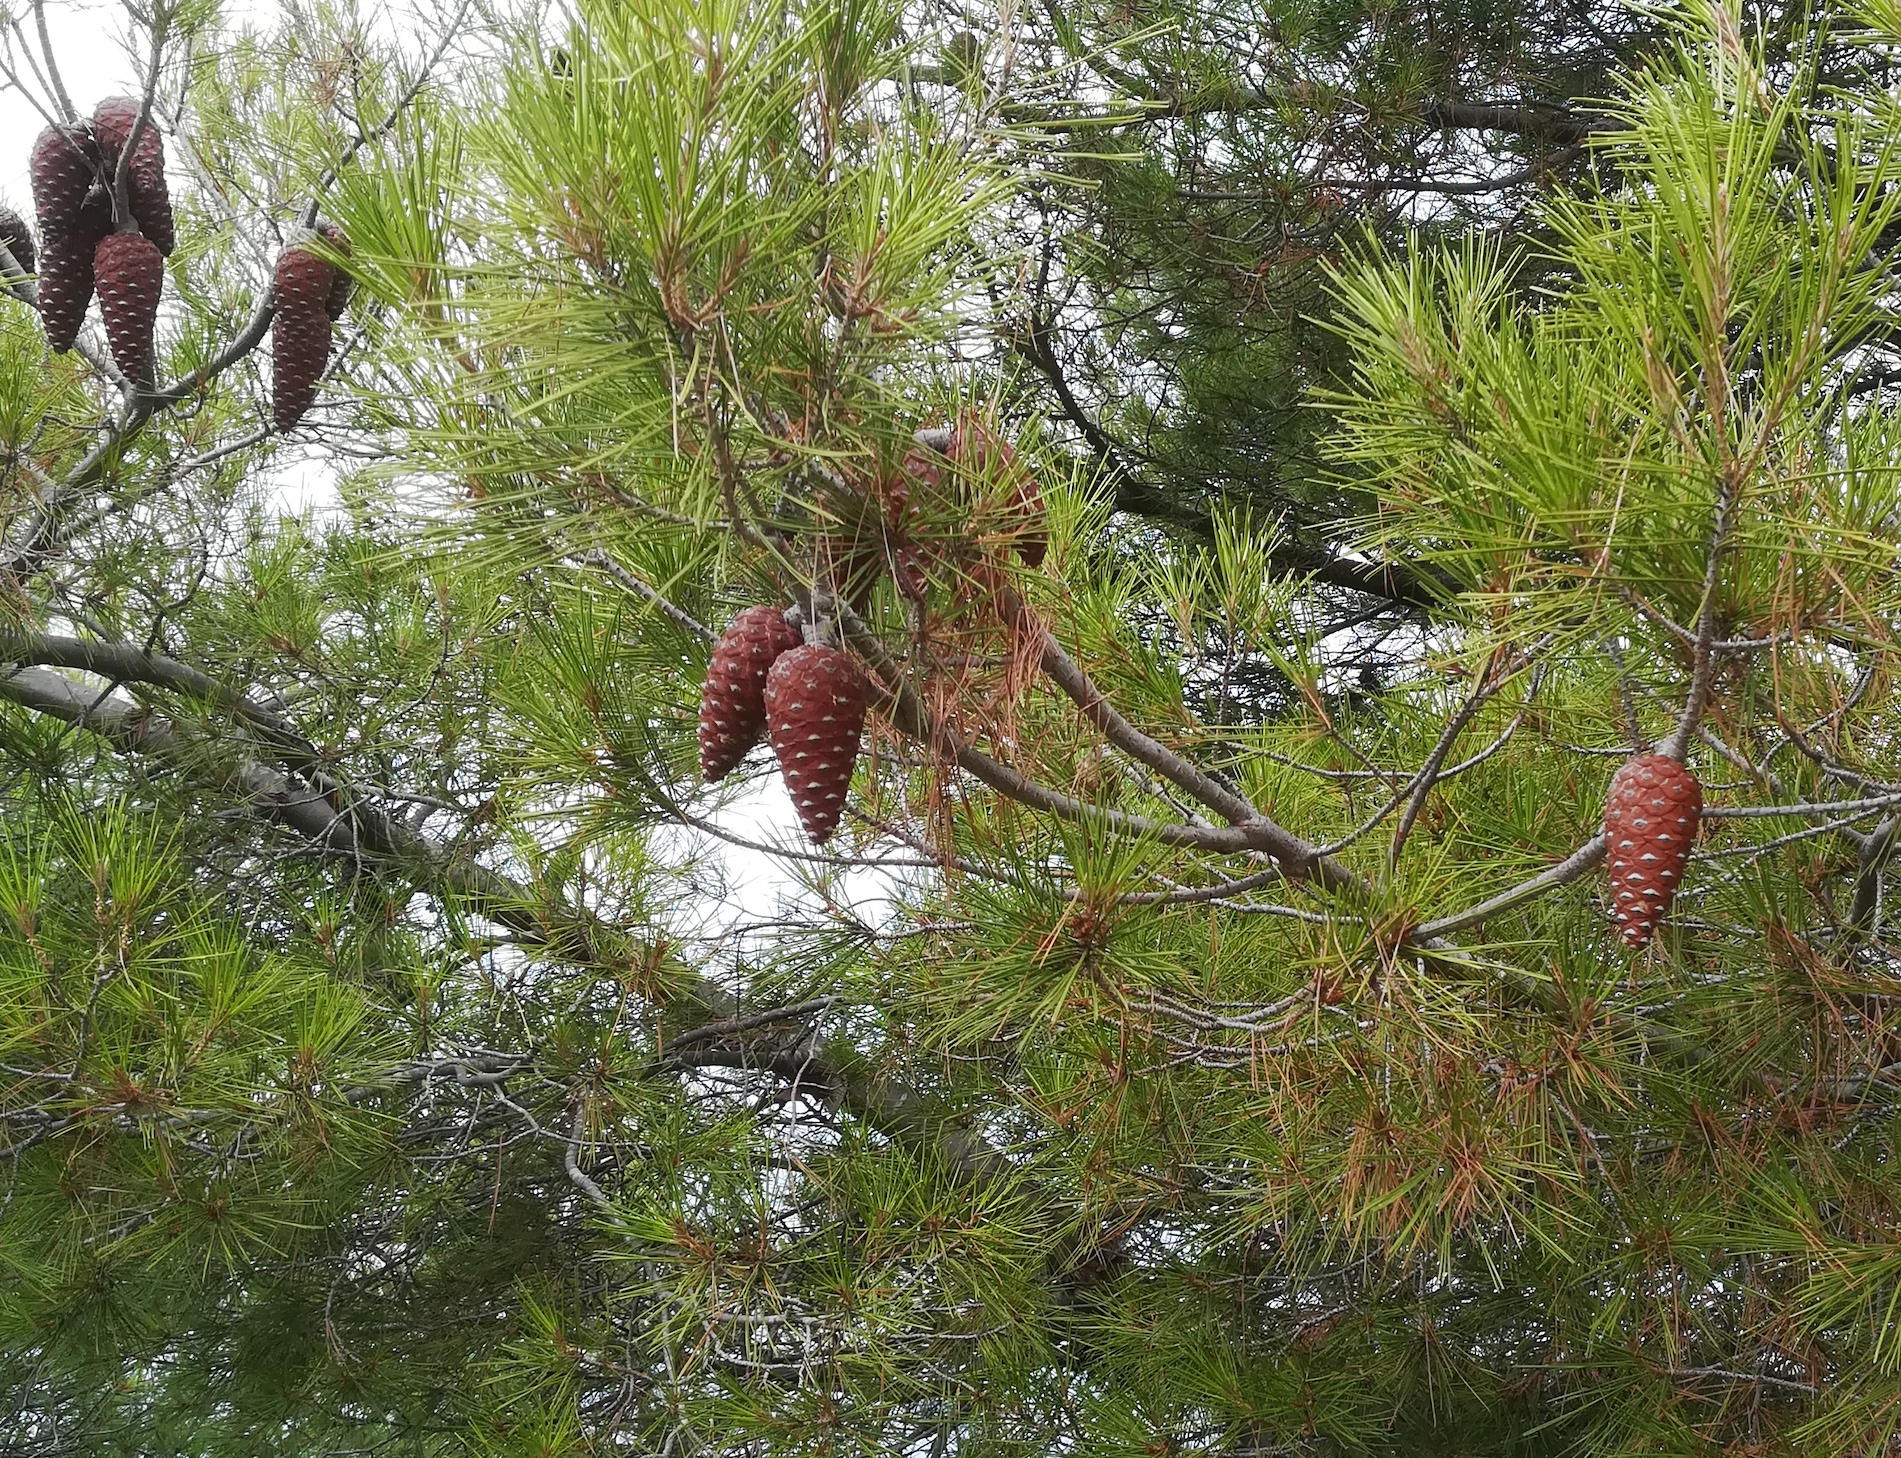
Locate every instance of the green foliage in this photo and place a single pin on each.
(384, 1067)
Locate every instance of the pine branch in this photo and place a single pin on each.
(1574, 867)
(1503, 666)
(1301, 859)
(372, 842)
(1703, 657)
(1877, 852)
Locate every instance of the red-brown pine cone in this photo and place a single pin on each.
(815, 711)
(147, 197)
(129, 273)
(1650, 822)
(300, 333)
(66, 264)
(988, 456)
(341, 284)
(18, 238)
(65, 163)
(733, 702)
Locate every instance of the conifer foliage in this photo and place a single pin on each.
(1164, 1003)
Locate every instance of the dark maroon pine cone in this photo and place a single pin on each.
(300, 333)
(147, 196)
(733, 702)
(341, 284)
(1650, 819)
(815, 711)
(66, 264)
(129, 273)
(18, 238)
(64, 166)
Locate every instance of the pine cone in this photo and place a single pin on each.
(66, 263)
(1650, 822)
(65, 163)
(129, 273)
(341, 284)
(17, 237)
(147, 197)
(733, 702)
(815, 710)
(300, 333)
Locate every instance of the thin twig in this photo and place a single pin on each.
(598, 557)
(1703, 661)
(1497, 674)
(1573, 867)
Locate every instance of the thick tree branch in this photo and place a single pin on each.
(1877, 850)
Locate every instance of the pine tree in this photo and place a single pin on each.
(1150, 1063)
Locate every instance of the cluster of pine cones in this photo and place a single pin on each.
(84, 249)
(765, 682)
(810, 700)
(762, 681)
